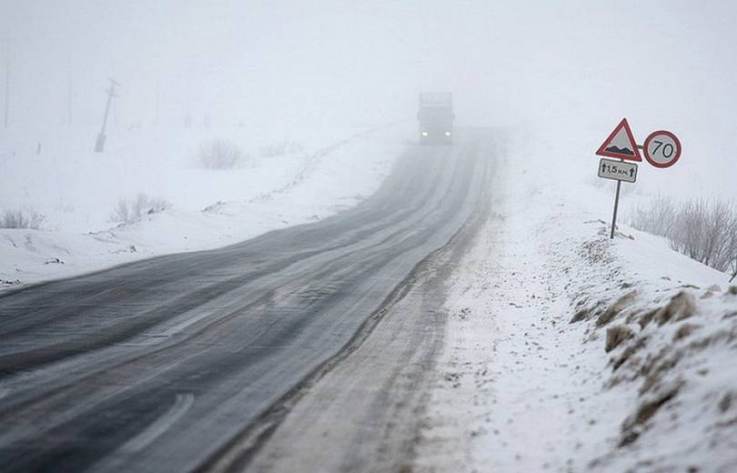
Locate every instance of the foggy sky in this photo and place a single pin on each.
(560, 66)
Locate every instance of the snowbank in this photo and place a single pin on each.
(271, 186)
(567, 351)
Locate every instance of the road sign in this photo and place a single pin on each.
(662, 149)
(617, 170)
(620, 144)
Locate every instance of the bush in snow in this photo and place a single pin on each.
(19, 219)
(703, 230)
(220, 154)
(281, 148)
(129, 211)
(658, 218)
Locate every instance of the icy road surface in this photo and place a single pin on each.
(165, 364)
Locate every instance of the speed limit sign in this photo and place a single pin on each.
(662, 149)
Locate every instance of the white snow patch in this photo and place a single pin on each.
(77, 191)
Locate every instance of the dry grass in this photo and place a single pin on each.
(21, 219)
(221, 154)
(281, 148)
(132, 210)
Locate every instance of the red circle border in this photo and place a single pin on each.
(647, 154)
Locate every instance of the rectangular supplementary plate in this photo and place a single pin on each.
(618, 170)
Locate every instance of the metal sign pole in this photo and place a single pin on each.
(616, 206)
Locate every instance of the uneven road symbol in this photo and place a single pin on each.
(620, 144)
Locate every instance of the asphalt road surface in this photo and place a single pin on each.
(183, 362)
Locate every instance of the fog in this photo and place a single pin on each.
(560, 68)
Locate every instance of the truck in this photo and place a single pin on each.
(435, 117)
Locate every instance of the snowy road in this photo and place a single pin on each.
(169, 363)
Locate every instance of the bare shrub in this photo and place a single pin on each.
(690, 228)
(281, 148)
(132, 210)
(220, 154)
(22, 219)
(707, 232)
(702, 230)
(657, 218)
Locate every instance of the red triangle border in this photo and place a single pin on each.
(602, 149)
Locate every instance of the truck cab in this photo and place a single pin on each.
(435, 117)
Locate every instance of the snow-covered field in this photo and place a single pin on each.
(567, 351)
(55, 174)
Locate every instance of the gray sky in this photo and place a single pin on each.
(562, 65)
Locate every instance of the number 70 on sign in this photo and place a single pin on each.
(662, 149)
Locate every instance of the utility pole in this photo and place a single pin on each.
(7, 83)
(100, 144)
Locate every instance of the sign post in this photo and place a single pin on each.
(662, 149)
(619, 144)
(616, 206)
(618, 171)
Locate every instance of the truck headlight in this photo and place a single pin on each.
(447, 133)
(424, 133)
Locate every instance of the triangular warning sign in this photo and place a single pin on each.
(621, 144)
